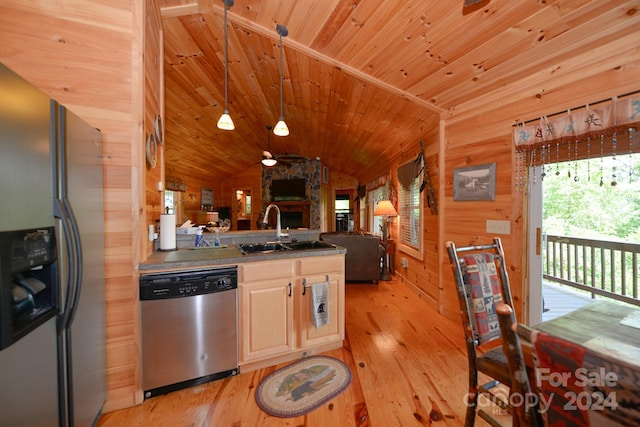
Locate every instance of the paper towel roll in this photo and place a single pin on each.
(167, 232)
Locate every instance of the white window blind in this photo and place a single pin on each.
(363, 213)
(410, 215)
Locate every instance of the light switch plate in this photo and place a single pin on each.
(498, 227)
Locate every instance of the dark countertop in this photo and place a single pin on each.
(231, 254)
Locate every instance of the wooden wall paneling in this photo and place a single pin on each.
(153, 93)
(465, 221)
(129, 393)
(191, 197)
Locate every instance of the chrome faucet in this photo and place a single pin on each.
(279, 233)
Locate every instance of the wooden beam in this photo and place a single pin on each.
(181, 10)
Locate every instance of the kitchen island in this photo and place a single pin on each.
(275, 314)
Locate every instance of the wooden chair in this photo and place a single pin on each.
(482, 282)
(526, 413)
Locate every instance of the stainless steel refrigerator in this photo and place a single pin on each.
(51, 177)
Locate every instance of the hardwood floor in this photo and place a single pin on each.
(408, 364)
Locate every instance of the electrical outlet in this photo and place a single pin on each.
(498, 227)
(405, 262)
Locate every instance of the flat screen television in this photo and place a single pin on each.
(288, 190)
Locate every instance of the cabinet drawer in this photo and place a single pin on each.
(266, 270)
(321, 264)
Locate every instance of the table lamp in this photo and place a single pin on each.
(386, 210)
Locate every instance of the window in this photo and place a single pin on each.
(169, 202)
(173, 204)
(363, 213)
(410, 212)
(342, 202)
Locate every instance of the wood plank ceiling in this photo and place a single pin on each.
(364, 81)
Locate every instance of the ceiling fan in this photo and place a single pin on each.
(471, 2)
(471, 6)
(269, 159)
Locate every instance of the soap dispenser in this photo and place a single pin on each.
(198, 237)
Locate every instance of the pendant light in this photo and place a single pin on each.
(267, 157)
(281, 128)
(225, 122)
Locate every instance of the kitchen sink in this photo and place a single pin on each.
(250, 248)
(270, 247)
(310, 244)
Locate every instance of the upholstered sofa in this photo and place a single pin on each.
(364, 253)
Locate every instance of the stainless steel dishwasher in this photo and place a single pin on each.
(189, 328)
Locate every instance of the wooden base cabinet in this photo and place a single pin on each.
(274, 309)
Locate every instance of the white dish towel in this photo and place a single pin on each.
(320, 303)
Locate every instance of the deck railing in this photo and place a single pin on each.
(601, 267)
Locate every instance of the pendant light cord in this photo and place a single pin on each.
(281, 110)
(226, 62)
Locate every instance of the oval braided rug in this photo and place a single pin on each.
(302, 386)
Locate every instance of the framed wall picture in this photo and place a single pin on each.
(475, 182)
(206, 199)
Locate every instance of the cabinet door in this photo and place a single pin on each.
(266, 319)
(308, 334)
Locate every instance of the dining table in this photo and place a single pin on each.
(589, 365)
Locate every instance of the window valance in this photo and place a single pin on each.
(605, 118)
(174, 184)
(381, 181)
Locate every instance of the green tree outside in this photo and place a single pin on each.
(595, 198)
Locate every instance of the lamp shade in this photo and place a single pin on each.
(268, 161)
(385, 208)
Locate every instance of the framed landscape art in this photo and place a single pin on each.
(475, 182)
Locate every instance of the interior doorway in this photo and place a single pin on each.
(343, 210)
(243, 209)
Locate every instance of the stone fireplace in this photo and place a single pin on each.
(300, 213)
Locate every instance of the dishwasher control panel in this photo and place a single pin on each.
(178, 284)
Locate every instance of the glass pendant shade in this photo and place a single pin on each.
(269, 161)
(225, 122)
(281, 128)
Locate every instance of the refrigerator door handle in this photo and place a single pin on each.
(76, 262)
(59, 212)
(63, 210)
